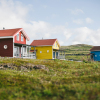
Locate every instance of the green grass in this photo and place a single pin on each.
(77, 58)
(65, 80)
(77, 49)
(80, 49)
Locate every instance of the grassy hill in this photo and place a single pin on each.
(77, 49)
(76, 52)
(64, 80)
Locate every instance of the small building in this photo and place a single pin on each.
(13, 43)
(95, 53)
(46, 48)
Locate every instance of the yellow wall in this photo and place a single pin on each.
(44, 54)
(56, 46)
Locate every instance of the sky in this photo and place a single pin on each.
(70, 21)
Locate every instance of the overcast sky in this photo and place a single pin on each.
(70, 21)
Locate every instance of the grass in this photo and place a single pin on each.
(65, 80)
(76, 58)
(77, 49)
(76, 52)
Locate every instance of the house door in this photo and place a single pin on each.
(23, 50)
(92, 56)
(53, 54)
(56, 54)
(16, 51)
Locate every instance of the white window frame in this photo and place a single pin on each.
(17, 37)
(22, 38)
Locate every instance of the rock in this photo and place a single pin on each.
(9, 66)
(23, 68)
(13, 67)
(29, 66)
(1, 67)
(26, 67)
(5, 65)
(39, 67)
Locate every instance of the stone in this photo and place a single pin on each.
(23, 68)
(5, 65)
(39, 67)
(1, 67)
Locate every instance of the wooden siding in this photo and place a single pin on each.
(56, 46)
(19, 41)
(96, 55)
(9, 51)
(43, 52)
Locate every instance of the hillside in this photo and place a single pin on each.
(64, 80)
(77, 51)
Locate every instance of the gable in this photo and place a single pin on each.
(23, 33)
(56, 45)
(19, 38)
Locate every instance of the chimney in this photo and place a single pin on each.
(3, 28)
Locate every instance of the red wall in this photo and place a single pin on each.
(21, 42)
(6, 52)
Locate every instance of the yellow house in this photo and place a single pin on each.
(45, 48)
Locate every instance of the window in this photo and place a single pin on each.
(53, 55)
(18, 36)
(47, 51)
(21, 37)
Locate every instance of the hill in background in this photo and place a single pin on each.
(77, 49)
(76, 52)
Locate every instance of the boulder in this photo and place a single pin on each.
(23, 68)
(1, 67)
(39, 67)
(5, 65)
(26, 67)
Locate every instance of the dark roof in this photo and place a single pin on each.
(95, 48)
(43, 42)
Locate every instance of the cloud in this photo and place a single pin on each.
(82, 34)
(76, 11)
(85, 35)
(78, 21)
(14, 15)
(89, 20)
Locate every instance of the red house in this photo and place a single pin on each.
(13, 43)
